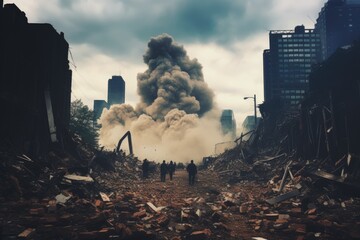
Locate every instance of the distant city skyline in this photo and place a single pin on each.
(115, 95)
(227, 38)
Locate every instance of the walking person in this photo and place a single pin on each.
(171, 168)
(174, 167)
(163, 170)
(145, 168)
(192, 170)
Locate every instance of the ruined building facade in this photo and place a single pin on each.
(35, 80)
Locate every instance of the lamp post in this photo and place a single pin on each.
(254, 97)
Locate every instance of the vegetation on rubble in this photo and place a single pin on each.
(81, 122)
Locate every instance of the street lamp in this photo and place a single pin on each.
(254, 97)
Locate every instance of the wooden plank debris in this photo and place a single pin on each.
(104, 197)
(153, 207)
(27, 233)
(74, 177)
(283, 197)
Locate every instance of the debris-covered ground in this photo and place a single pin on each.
(112, 201)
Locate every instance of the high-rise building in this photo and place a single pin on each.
(116, 90)
(288, 62)
(338, 25)
(99, 106)
(228, 122)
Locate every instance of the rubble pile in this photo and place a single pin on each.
(124, 169)
(62, 195)
(100, 204)
(294, 197)
(309, 159)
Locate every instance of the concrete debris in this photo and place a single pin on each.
(73, 177)
(102, 195)
(296, 189)
(283, 197)
(61, 198)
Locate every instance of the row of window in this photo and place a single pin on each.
(308, 60)
(295, 76)
(297, 50)
(303, 70)
(296, 60)
(300, 35)
(291, 80)
(299, 40)
(299, 73)
(297, 55)
(293, 91)
(286, 45)
(294, 102)
(293, 96)
(293, 66)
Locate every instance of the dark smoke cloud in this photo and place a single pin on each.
(176, 116)
(173, 80)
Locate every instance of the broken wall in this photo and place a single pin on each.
(34, 59)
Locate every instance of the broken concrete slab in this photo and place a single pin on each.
(74, 177)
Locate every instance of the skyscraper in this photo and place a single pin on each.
(228, 122)
(287, 64)
(338, 25)
(99, 106)
(116, 90)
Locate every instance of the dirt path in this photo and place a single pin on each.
(207, 196)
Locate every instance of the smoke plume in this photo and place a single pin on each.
(176, 118)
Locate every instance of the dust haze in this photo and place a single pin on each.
(176, 118)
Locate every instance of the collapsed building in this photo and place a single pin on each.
(35, 83)
(308, 160)
(321, 139)
(327, 123)
(331, 115)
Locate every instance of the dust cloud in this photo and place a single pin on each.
(176, 118)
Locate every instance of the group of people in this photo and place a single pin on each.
(170, 169)
(167, 168)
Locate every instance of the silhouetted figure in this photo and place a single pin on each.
(163, 170)
(145, 168)
(171, 168)
(174, 167)
(192, 170)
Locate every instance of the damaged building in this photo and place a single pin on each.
(326, 130)
(331, 115)
(35, 87)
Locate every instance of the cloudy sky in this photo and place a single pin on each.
(109, 37)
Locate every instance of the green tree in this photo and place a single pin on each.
(81, 122)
